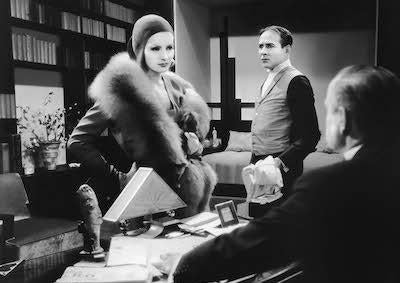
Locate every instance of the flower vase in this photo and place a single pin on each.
(29, 167)
(49, 154)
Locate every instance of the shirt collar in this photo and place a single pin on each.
(280, 67)
(348, 155)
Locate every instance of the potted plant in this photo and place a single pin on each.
(45, 130)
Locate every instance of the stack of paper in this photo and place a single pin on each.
(203, 220)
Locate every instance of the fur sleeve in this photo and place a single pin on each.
(194, 103)
(126, 96)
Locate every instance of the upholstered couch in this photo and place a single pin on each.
(229, 162)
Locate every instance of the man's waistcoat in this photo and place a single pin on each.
(272, 121)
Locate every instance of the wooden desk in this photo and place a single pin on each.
(45, 269)
(48, 269)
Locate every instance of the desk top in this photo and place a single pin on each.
(49, 268)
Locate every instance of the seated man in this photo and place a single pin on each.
(342, 220)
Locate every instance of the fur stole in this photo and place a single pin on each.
(150, 136)
(125, 94)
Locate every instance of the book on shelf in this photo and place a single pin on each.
(36, 237)
(15, 153)
(119, 12)
(10, 154)
(29, 48)
(4, 158)
(7, 106)
(35, 11)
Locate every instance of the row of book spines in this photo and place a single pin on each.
(70, 21)
(28, 48)
(10, 155)
(116, 33)
(35, 10)
(21, 9)
(118, 12)
(7, 106)
(92, 27)
(93, 5)
(94, 61)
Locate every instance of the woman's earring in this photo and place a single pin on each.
(172, 67)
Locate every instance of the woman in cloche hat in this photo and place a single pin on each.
(141, 103)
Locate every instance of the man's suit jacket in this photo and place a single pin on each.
(342, 221)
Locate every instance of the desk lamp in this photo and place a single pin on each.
(144, 195)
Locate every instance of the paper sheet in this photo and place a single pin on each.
(126, 273)
(151, 248)
(216, 231)
(201, 219)
(122, 251)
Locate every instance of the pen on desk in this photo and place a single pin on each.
(192, 230)
(245, 217)
(184, 236)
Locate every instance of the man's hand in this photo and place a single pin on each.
(278, 162)
(280, 165)
(167, 264)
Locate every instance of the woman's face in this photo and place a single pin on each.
(159, 51)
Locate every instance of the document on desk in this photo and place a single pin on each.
(154, 247)
(203, 220)
(217, 231)
(114, 274)
(123, 252)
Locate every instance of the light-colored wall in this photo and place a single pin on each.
(317, 55)
(192, 45)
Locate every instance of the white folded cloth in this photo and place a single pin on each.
(262, 179)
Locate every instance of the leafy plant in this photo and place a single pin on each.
(42, 125)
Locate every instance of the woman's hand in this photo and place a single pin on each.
(124, 178)
(194, 145)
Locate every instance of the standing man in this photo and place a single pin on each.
(285, 123)
(341, 220)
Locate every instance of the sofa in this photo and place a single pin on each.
(228, 163)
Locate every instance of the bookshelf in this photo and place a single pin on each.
(73, 38)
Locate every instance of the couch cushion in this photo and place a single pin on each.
(239, 141)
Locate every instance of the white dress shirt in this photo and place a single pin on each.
(272, 73)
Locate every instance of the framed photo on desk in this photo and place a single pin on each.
(227, 213)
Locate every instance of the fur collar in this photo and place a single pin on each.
(125, 94)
